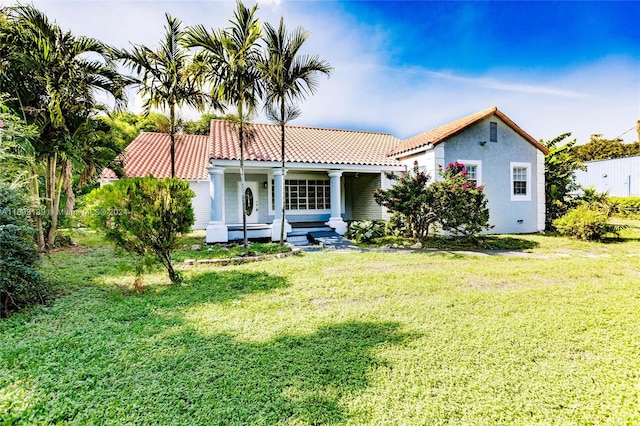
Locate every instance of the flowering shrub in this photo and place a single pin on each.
(460, 205)
(411, 197)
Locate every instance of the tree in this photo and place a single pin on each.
(599, 148)
(144, 216)
(167, 77)
(17, 156)
(287, 77)
(560, 165)
(410, 197)
(51, 76)
(459, 205)
(201, 126)
(232, 55)
(20, 282)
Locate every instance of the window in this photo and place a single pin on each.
(305, 194)
(520, 181)
(493, 132)
(472, 173)
(474, 170)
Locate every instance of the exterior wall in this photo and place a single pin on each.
(201, 203)
(620, 176)
(507, 215)
(363, 205)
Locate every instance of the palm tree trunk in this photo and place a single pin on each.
(172, 136)
(67, 185)
(282, 130)
(54, 187)
(34, 187)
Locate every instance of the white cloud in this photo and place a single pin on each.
(367, 92)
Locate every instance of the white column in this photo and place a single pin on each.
(335, 221)
(217, 231)
(276, 227)
(540, 191)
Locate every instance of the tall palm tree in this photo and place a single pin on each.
(288, 77)
(50, 75)
(232, 55)
(168, 77)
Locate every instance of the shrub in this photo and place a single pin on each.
(460, 205)
(364, 231)
(411, 197)
(587, 224)
(144, 216)
(20, 282)
(626, 206)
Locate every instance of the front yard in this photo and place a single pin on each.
(552, 336)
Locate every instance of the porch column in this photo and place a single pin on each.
(276, 227)
(217, 231)
(335, 221)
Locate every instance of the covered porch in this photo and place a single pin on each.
(316, 197)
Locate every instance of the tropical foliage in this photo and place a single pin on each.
(231, 56)
(52, 77)
(288, 77)
(560, 165)
(600, 148)
(168, 77)
(20, 282)
(144, 216)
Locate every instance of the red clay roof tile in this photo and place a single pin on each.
(149, 153)
(304, 145)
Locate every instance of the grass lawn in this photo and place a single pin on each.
(335, 338)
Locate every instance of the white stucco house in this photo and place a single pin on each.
(331, 175)
(620, 177)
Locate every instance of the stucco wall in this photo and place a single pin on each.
(506, 215)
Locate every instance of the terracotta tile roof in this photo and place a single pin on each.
(442, 133)
(150, 153)
(305, 145)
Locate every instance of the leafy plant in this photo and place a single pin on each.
(144, 216)
(626, 206)
(588, 224)
(560, 166)
(411, 198)
(20, 282)
(364, 231)
(460, 205)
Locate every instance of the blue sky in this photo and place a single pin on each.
(405, 67)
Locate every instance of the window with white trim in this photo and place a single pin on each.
(520, 181)
(474, 170)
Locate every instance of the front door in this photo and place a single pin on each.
(251, 201)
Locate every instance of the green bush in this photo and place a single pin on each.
(20, 282)
(144, 216)
(626, 206)
(584, 223)
(460, 205)
(365, 231)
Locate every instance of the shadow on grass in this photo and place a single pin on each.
(179, 376)
(483, 242)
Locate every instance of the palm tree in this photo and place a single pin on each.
(232, 55)
(50, 75)
(168, 77)
(287, 77)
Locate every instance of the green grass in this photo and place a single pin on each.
(335, 338)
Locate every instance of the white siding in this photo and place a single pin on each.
(620, 177)
(201, 203)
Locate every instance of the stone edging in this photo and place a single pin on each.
(238, 260)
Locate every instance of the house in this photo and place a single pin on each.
(331, 174)
(620, 177)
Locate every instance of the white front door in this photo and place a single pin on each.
(251, 201)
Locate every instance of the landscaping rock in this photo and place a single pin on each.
(417, 245)
(196, 247)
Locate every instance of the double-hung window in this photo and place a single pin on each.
(474, 170)
(520, 181)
